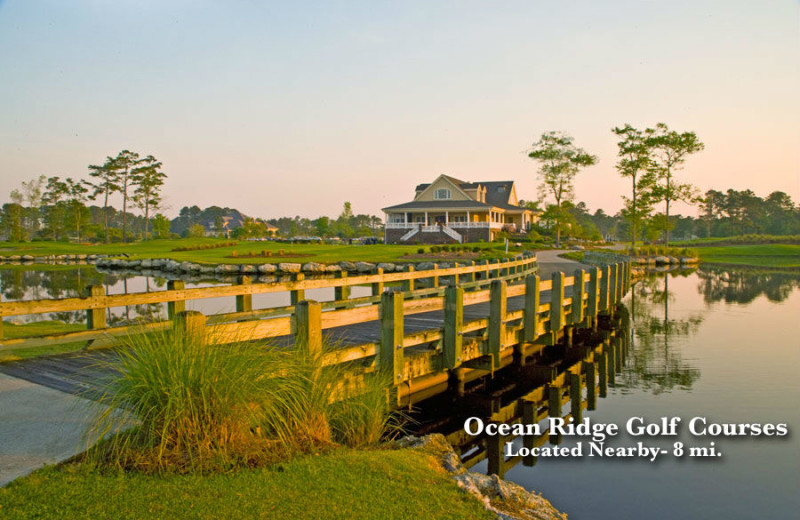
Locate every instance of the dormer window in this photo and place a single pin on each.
(442, 194)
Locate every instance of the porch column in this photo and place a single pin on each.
(426, 219)
(468, 220)
(446, 218)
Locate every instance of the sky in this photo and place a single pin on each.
(292, 108)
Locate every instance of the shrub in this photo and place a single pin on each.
(421, 251)
(435, 249)
(200, 407)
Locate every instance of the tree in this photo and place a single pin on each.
(124, 163)
(54, 195)
(148, 179)
(11, 220)
(161, 225)
(107, 183)
(635, 163)
(77, 195)
(669, 150)
(559, 162)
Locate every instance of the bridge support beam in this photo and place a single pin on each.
(453, 326)
(308, 336)
(497, 316)
(391, 357)
(174, 307)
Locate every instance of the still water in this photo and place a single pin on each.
(720, 345)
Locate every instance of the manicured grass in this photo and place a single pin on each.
(768, 255)
(343, 483)
(322, 253)
(39, 328)
(751, 239)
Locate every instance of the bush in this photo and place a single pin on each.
(421, 251)
(435, 249)
(201, 407)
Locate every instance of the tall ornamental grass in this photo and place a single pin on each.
(200, 407)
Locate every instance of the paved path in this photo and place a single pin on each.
(38, 426)
(549, 262)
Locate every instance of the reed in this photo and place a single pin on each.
(174, 403)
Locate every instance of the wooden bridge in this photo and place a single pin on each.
(466, 322)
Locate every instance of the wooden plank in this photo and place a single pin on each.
(341, 292)
(530, 415)
(408, 285)
(175, 306)
(249, 330)
(95, 318)
(390, 356)
(557, 302)
(578, 293)
(191, 325)
(297, 295)
(453, 326)
(377, 287)
(100, 337)
(350, 316)
(554, 408)
(575, 397)
(593, 293)
(497, 317)
(604, 287)
(591, 385)
(244, 302)
(309, 327)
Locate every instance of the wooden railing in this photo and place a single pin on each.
(420, 363)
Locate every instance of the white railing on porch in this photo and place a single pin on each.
(455, 235)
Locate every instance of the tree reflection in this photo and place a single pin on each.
(23, 283)
(744, 286)
(654, 363)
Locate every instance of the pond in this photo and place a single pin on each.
(715, 344)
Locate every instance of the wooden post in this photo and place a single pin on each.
(455, 276)
(297, 295)
(494, 455)
(190, 325)
(604, 287)
(453, 326)
(473, 276)
(308, 336)
(591, 385)
(377, 287)
(578, 292)
(342, 292)
(618, 352)
(485, 275)
(497, 316)
(244, 302)
(557, 302)
(612, 285)
(628, 277)
(602, 372)
(408, 285)
(531, 312)
(591, 306)
(575, 397)
(174, 307)
(435, 277)
(530, 415)
(390, 357)
(554, 409)
(95, 317)
(612, 366)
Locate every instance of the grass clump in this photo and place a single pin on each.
(207, 408)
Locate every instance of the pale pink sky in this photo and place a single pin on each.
(283, 110)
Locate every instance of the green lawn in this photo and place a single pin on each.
(322, 253)
(39, 328)
(768, 255)
(344, 484)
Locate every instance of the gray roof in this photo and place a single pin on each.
(497, 193)
(442, 204)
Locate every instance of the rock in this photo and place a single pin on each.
(248, 269)
(365, 267)
(289, 267)
(688, 260)
(133, 263)
(207, 269)
(26, 258)
(347, 266)
(267, 268)
(147, 263)
(185, 266)
(313, 267)
(425, 266)
(661, 260)
(333, 268)
(226, 268)
(387, 267)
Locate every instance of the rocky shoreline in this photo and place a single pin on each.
(507, 500)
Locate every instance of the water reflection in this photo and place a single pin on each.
(723, 285)
(655, 364)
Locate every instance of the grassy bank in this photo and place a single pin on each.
(766, 255)
(39, 328)
(343, 483)
(204, 250)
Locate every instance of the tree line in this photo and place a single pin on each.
(650, 159)
(53, 208)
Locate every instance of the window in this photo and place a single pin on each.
(458, 218)
(396, 218)
(441, 194)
